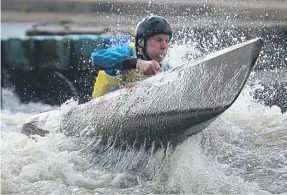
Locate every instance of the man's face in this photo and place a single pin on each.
(157, 47)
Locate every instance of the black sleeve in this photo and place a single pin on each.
(127, 64)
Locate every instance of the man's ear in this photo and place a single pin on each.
(141, 43)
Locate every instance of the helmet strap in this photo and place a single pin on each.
(144, 51)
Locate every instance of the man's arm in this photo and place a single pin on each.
(117, 57)
(120, 57)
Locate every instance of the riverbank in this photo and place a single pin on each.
(125, 14)
(109, 22)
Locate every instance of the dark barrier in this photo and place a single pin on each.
(52, 69)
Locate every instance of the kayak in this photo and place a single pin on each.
(161, 110)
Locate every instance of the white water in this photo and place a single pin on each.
(243, 151)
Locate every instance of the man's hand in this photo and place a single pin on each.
(148, 67)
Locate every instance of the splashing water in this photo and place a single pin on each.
(243, 151)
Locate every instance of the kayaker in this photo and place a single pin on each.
(130, 62)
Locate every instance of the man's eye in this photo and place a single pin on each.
(159, 40)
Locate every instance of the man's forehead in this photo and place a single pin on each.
(163, 36)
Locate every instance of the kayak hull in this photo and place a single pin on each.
(163, 109)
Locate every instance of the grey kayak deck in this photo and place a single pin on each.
(163, 109)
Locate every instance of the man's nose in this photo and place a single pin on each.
(164, 45)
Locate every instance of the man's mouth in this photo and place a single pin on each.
(161, 56)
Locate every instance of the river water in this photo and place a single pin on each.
(243, 152)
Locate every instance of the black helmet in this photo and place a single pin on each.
(152, 25)
(148, 27)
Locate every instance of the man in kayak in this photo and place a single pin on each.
(125, 63)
